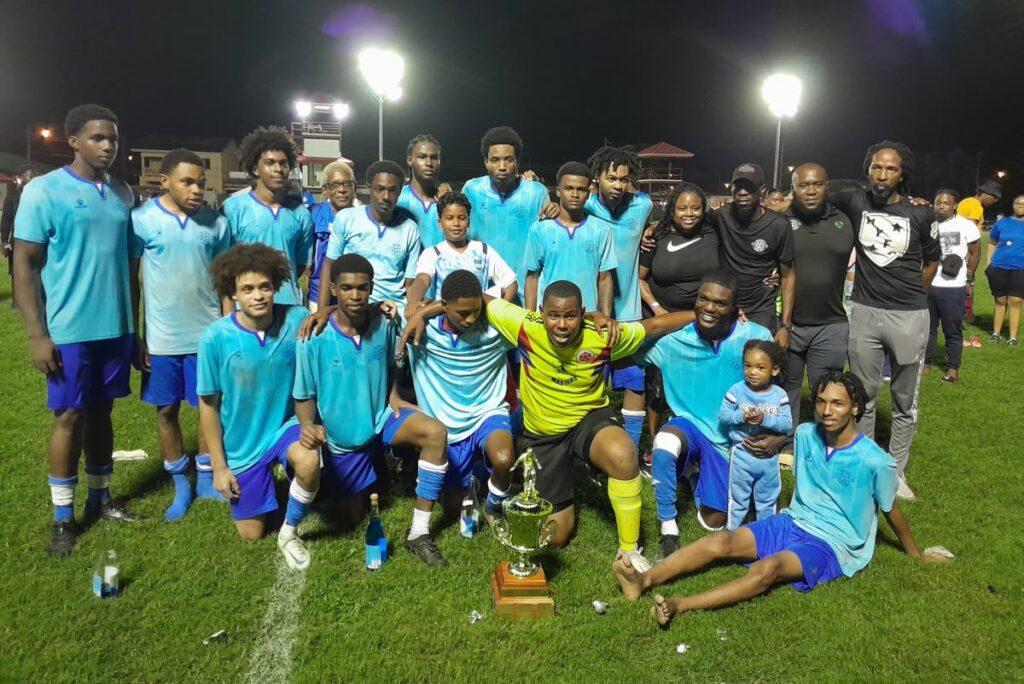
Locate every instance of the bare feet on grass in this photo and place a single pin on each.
(663, 610)
(630, 581)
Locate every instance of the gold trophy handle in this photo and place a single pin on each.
(546, 533)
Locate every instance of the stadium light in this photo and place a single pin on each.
(1000, 175)
(303, 108)
(45, 133)
(782, 94)
(340, 110)
(383, 71)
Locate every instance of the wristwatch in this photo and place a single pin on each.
(788, 326)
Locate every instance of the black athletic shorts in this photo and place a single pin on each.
(1005, 282)
(555, 454)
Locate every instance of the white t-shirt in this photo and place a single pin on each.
(480, 259)
(954, 235)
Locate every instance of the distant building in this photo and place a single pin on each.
(660, 168)
(219, 155)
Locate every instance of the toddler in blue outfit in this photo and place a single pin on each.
(753, 407)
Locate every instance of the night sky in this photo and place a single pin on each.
(936, 74)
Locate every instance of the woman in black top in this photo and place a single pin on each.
(685, 248)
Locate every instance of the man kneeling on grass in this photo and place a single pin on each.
(842, 480)
(245, 373)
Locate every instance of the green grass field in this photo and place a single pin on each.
(898, 620)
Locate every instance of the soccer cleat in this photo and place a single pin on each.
(976, 342)
(294, 550)
(1012, 342)
(63, 535)
(903, 491)
(637, 560)
(994, 337)
(112, 510)
(668, 544)
(423, 547)
(646, 463)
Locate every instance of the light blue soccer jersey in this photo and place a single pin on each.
(288, 229)
(392, 249)
(773, 403)
(424, 212)
(628, 225)
(85, 228)
(503, 221)
(461, 380)
(253, 375)
(179, 297)
(698, 373)
(349, 378)
(839, 493)
(578, 255)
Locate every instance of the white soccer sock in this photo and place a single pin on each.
(493, 489)
(670, 527)
(420, 523)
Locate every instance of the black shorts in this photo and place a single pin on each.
(555, 454)
(1005, 282)
(654, 389)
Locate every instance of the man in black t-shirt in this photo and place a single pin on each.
(897, 254)
(755, 243)
(823, 238)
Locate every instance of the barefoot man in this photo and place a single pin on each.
(842, 480)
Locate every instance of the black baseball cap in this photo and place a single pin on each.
(749, 172)
(990, 187)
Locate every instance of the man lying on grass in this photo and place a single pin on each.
(842, 480)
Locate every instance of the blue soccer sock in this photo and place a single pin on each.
(62, 493)
(182, 489)
(495, 497)
(663, 470)
(98, 478)
(299, 499)
(204, 479)
(430, 479)
(633, 422)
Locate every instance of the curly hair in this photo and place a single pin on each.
(501, 135)
(270, 139)
(457, 198)
(778, 355)
(385, 166)
(249, 258)
(854, 388)
(667, 222)
(607, 158)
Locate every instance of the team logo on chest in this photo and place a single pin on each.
(397, 250)
(884, 237)
(585, 356)
(519, 212)
(589, 246)
(795, 224)
(759, 245)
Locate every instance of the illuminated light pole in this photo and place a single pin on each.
(383, 71)
(782, 94)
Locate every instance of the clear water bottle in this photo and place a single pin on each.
(469, 520)
(376, 540)
(106, 570)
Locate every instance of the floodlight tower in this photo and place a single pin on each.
(383, 71)
(782, 94)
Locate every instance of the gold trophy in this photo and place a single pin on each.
(520, 587)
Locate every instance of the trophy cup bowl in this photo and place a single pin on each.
(525, 529)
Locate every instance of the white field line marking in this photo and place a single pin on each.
(271, 661)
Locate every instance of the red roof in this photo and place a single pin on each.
(663, 150)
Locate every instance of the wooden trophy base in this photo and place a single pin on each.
(521, 598)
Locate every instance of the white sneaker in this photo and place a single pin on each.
(903, 491)
(294, 551)
(637, 560)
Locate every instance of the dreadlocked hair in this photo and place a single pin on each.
(607, 158)
(907, 163)
(667, 222)
(854, 387)
(270, 139)
(421, 139)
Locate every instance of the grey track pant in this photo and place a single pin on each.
(816, 348)
(903, 335)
